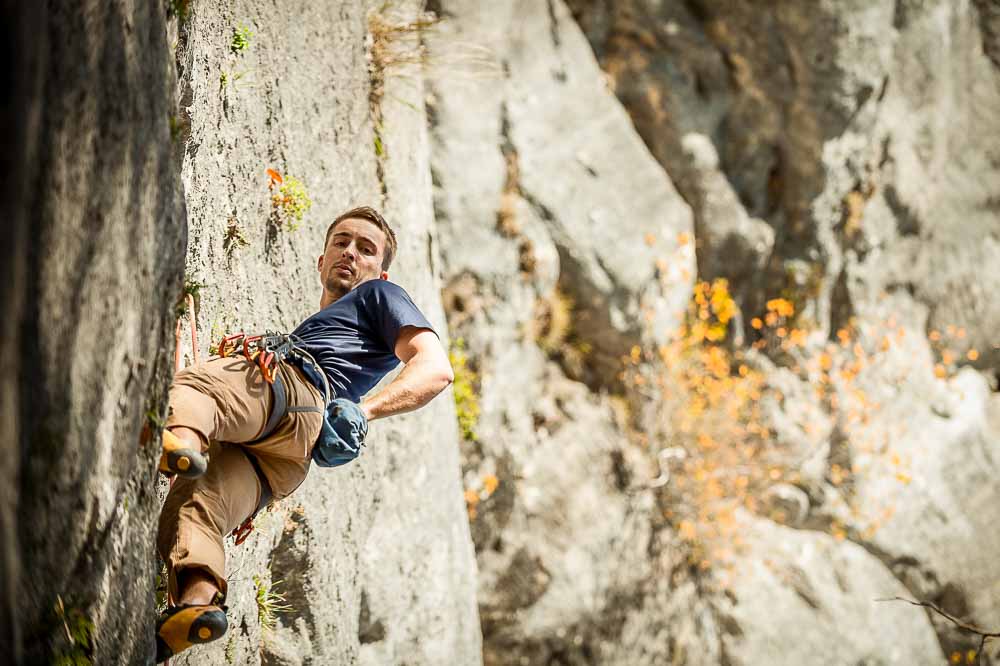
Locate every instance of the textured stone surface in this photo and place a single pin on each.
(804, 598)
(374, 558)
(866, 148)
(107, 232)
(864, 135)
(563, 196)
(842, 154)
(824, 152)
(21, 113)
(605, 222)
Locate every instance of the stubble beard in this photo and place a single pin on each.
(338, 287)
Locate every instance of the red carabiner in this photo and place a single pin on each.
(247, 341)
(230, 343)
(241, 533)
(266, 362)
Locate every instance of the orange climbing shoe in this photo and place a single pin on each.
(181, 627)
(180, 459)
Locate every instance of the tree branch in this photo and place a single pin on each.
(965, 626)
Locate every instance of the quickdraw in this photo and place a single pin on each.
(266, 350)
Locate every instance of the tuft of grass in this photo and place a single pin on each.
(552, 329)
(395, 40)
(270, 602)
(552, 324)
(156, 420)
(231, 648)
(175, 129)
(464, 390)
(191, 288)
(241, 39)
(79, 632)
(178, 9)
(234, 239)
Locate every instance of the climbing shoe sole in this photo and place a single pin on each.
(180, 459)
(183, 626)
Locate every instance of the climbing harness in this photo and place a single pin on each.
(267, 351)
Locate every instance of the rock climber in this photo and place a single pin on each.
(230, 452)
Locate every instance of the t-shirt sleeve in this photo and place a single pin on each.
(391, 309)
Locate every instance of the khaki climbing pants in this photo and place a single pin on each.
(227, 401)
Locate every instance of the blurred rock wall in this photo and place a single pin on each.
(99, 228)
(838, 155)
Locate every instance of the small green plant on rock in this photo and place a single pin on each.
(79, 631)
(191, 288)
(290, 202)
(225, 78)
(269, 603)
(161, 589)
(234, 239)
(464, 389)
(241, 39)
(553, 329)
(175, 129)
(231, 648)
(178, 9)
(156, 420)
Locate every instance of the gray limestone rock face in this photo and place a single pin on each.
(21, 114)
(786, 575)
(374, 560)
(865, 136)
(563, 245)
(827, 156)
(859, 132)
(559, 175)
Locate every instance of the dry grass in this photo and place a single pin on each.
(397, 41)
(507, 223)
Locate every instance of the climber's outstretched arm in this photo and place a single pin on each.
(427, 373)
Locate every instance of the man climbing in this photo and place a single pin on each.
(235, 439)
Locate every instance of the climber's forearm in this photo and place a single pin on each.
(420, 380)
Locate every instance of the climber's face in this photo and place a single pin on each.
(354, 252)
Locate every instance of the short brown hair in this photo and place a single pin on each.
(371, 215)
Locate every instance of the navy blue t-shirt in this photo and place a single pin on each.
(354, 338)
